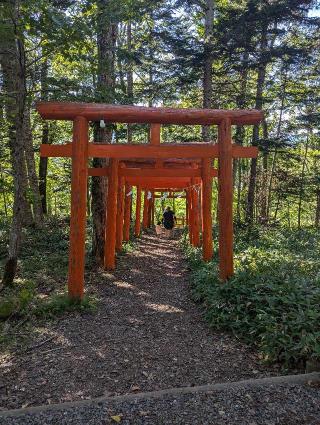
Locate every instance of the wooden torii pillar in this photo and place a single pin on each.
(225, 200)
(190, 214)
(145, 210)
(187, 209)
(111, 219)
(195, 214)
(79, 150)
(206, 210)
(127, 212)
(120, 213)
(150, 209)
(79, 178)
(137, 227)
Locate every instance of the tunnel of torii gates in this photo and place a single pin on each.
(154, 167)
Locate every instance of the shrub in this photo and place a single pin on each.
(273, 299)
(16, 301)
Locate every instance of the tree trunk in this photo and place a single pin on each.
(13, 68)
(274, 159)
(43, 169)
(317, 217)
(43, 162)
(13, 72)
(120, 40)
(255, 133)
(27, 219)
(240, 132)
(4, 197)
(301, 189)
(208, 60)
(31, 169)
(129, 77)
(264, 180)
(106, 37)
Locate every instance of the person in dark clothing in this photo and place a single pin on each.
(168, 220)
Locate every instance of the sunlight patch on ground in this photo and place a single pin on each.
(6, 361)
(136, 271)
(143, 293)
(58, 337)
(122, 284)
(135, 321)
(108, 275)
(164, 308)
(101, 353)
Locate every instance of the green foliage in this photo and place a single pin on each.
(23, 302)
(129, 246)
(42, 271)
(46, 250)
(16, 302)
(273, 299)
(61, 303)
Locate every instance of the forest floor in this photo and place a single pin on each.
(146, 334)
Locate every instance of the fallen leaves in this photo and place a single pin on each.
(116, 418)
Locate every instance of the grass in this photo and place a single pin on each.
(272, 302)
(60, 303)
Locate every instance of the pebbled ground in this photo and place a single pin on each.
(147, 334)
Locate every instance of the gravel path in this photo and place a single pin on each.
(284, 404)
(146, 335)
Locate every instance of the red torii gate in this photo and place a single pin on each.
(80, 150)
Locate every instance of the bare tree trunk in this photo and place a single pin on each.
(264, 179)
(31, 169)
(255, 133)
(208, 60)
(274, 159)
(240, 132)
(129, 76)
(43, 162)
(301, 189)
(317, 217)
(106, 36)
(288, 215)
(5, 203)
(277, 207)
(43, 169)
(27, 219)
(10, 64)
(252, 180)
(13, 67)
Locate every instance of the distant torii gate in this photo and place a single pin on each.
(202, 153)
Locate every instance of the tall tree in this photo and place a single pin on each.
(31, 169)
(13, 69)
(129, 75)
(261, 75)
(208, 62)
(106, 24)
(43, 162)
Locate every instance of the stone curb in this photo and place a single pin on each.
(286, 379)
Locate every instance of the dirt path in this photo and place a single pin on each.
(146, 335)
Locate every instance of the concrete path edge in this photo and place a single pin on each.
(275, 380)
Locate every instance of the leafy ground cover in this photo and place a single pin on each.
(273, 300)
(40, 287)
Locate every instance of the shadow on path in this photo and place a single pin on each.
(146, 335)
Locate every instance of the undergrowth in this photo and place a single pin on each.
(39, 288)
(23, 301)
(272, 301)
